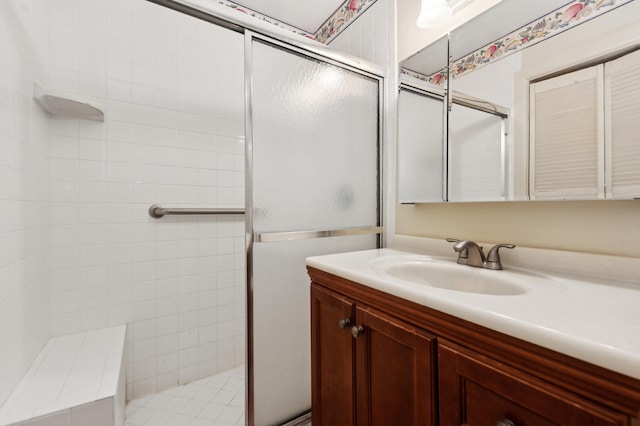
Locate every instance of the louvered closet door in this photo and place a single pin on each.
(622, 123)
(567, 136)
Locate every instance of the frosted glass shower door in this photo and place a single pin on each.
(314, 189)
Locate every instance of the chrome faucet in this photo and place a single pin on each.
(470, 253)
(463, 255)
(475, 255)
(493, 258)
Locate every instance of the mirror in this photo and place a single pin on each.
(486, 156)
(421, 126)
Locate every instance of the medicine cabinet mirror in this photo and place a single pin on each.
(491, 112)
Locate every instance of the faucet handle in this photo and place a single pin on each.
(493, 257)
(463, 254)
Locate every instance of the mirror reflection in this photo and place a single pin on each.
(421, 126)
(491, 149)
(477, 150)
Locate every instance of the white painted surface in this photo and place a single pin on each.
(591, 317)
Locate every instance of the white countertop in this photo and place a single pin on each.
(595, 320)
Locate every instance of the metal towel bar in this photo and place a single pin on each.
(158, 211)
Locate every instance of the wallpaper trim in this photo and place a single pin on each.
(554, 23)
(337, 22)
(341, 19)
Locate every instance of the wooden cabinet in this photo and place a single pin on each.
(394, 372)
(368, 368)
(475, 390)
(332, 359)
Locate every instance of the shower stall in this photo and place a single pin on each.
(200, 112)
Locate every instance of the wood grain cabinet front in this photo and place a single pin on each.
(478, 391)
(373, 363)
(332, 359)
(377, 370)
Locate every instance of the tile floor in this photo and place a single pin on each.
(213, 401)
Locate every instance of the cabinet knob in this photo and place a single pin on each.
(357, 331)
(505, 422)
(344, 323)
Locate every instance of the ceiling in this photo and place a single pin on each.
(305, 15)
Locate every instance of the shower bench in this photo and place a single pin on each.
(76, 380)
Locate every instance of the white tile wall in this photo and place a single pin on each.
(172, 88)
(24, 171)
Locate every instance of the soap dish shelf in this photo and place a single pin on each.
(65, 105)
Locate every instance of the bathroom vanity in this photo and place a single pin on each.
(389, 349)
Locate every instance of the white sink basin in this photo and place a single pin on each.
(449, 275)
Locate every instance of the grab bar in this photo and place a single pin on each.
(158, 211)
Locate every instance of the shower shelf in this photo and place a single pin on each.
(66, 105)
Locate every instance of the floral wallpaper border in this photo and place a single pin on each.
(554, 23)
(333, 26)
(437, 79)
(341, 19)
(549, 25)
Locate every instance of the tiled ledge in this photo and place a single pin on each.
(77, 379)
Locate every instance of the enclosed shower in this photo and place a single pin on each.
(222, 159)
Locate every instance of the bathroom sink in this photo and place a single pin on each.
(448, 275)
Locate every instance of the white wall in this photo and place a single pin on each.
(24, 171)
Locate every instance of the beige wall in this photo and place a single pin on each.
(607, 227)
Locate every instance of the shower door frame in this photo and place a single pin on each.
(336, 59)
(315, 50)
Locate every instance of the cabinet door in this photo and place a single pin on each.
(477, 391)
(394, 367)
(332, 358)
